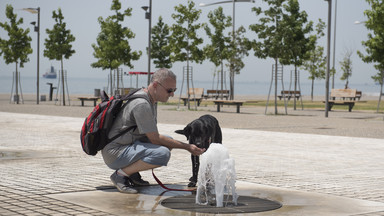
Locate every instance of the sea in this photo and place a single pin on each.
(88, 86)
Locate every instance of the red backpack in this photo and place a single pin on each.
(94, 133)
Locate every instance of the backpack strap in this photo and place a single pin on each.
(129, 97)
(122, 132)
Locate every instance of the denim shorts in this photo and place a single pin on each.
(147, 152)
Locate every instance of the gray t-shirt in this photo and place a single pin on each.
(139, 112)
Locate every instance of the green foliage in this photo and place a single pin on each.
(374, 46)
(379, 77)
(17, 48)
(346, 67)
(159, 42)
(219, 49)
(268, 30)
(296, 28)
(238, 49)
(283, 32)
(58, 44)
(316, 63)
(112, 48)
(184, 41)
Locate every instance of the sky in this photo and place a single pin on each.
(81, 18)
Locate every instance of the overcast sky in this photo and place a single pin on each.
(81, 18)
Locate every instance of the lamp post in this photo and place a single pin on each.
(233, 23)
(334, 47)
(148, 15)
(36, 29)
(328, 55)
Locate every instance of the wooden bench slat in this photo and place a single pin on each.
(289, 94)
(216, 94)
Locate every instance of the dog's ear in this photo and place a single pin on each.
(180, 132)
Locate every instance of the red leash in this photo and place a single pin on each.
(167, 188)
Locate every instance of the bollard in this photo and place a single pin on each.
(97, 92)
(50, 91)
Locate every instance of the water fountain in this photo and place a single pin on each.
(217, 177)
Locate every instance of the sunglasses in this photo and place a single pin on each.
(170, 90)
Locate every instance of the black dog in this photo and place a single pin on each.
(201, 132)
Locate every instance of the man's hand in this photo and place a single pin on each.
(193, 149)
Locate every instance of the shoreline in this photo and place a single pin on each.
(31, 97)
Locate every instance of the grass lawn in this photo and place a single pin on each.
(370, 105)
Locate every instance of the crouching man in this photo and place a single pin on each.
(142, 148)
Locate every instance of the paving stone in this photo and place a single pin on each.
(343, 166)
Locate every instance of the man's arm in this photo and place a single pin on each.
(158, 139)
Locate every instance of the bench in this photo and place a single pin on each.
(289, 94)
(345, 97)
(195, 94)
(94, 99)
(216, 94)
(220, 103)
(358, 95)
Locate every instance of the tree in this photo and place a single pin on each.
(159, 52)
(184, 41)
(374, 46)
(112, 48)
(296, 38)
(18, 46)
(315, 62)
(270, 34)
(238, 49)
(346, 67)
(219, 49)
(315, 65)
(58, 44)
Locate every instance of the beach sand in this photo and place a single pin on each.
(357, 123)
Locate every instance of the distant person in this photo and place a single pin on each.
(142, 148)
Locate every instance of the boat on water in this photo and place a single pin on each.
(50, 74)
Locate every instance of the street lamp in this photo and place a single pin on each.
(148, 15)
(36, 29)
(233, 17)
(357, 22)
(328, 55)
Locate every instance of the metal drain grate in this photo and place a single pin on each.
(246, 204)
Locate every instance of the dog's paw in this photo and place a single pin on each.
(192, 184)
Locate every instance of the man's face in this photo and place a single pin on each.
(165, 89)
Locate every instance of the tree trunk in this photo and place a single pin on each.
(188, 101)
(313, 83)
(17, 84)
(232, 85)
(222, 76)
(276, 64)
(294, 94)
(62, 80)
(110, 82)
(381, 94)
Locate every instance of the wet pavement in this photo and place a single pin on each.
(45, 172)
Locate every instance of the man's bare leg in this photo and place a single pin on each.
(138, 166)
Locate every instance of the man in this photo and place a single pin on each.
(142, 148)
